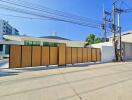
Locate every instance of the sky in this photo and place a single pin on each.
(86, 8)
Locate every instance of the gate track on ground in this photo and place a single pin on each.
(43, 76)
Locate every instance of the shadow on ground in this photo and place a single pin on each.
(39, 68)
(3, 74)
(16, 71)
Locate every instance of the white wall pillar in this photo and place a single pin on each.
(41, 43)
(4, 48)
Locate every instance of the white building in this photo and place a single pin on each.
(107, 51)
(47, 40)
(36, 41)
(7, 29)
(4, 47)
(126, 44)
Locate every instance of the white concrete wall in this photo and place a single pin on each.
(1, 55)
(107, 54)
(107, 51)
(75, 44)
(128, 51)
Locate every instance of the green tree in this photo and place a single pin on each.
(92, 39)
(98, 40)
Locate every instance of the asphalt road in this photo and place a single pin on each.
(111, 81)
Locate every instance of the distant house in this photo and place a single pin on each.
(36, 41)
(55, 37)
(46, 40)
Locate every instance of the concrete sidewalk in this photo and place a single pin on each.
(4, 63)
(111, 81)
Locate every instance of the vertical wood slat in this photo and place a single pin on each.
(94, 55)
(15, 56)
(85, 55)
(53, 55)
(89, 54)
(36, 56)
(68, 55)
(98, 55)
(62, 54)
(45, 56)
(74, 55)
(26, 56)
(80, 55)
(22, 56)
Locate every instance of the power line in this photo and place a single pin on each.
(46, 10)
(19, 10)
(23, 17)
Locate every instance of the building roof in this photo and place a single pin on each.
(124, 33)
(55, 37)
(42, 39)
(126, 37)
(10, 42)
(127, 33)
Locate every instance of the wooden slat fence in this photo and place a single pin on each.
(31, 56)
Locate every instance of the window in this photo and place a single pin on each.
(53, 44)
(50, 44)
(45, 43)
(26, 42)
(7, 49)
(35, 43)
(1, 47)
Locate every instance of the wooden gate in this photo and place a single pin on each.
(31, 56)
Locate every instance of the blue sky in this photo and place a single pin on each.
(86, 8)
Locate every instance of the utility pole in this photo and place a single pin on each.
(119, 11)
(105, 21)
(114, 29)
(119, 31)
(116, 11)
(104, 25)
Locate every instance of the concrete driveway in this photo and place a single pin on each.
(4, 63)
(112, 81)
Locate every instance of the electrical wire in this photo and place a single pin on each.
(23, 17)
(19, 10)
(46, 10)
